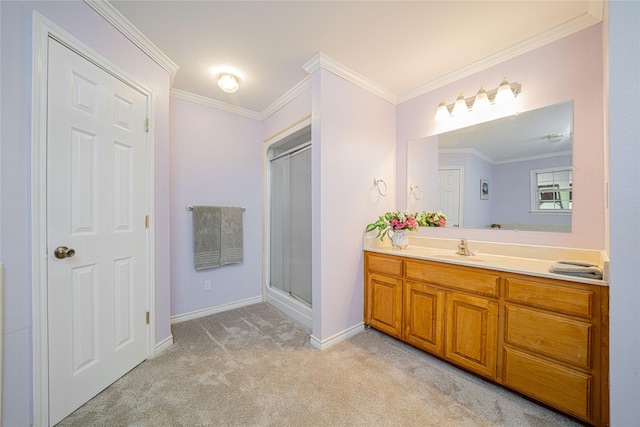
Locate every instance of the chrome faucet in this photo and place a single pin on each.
(463, 248)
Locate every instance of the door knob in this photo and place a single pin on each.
(64, 252)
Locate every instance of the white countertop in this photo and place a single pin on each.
(530, 259)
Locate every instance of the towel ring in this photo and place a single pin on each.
(377, 182)
(416, 191)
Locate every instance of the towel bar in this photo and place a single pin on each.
(190, 208)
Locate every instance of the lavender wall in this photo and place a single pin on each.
(568, 69)
(353, 137)
(624, 145)
(478, 212)
(215, 160)
(422, 164)
(511, 204)
(15, 248)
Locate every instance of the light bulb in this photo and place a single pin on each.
(443, 112)
(481, 103)
(505, 94)
(228, 82)
(460, 108)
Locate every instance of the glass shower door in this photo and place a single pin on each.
(290, 227)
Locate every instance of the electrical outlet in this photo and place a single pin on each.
(207, 285)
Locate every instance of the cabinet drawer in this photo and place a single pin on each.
(573, 301)
(557, 385)
(558, 337)
(383, 264)
(471, 280)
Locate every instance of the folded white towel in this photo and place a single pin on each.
(578, 262)
(577, 269)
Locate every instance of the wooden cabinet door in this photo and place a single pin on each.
(472, 332)
(424, 316)
(383, 308)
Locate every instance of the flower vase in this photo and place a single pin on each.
(399, 238)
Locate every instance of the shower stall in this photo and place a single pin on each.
(288, 234)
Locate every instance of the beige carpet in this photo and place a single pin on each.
(254, 367)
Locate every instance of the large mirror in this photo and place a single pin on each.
(513, 173)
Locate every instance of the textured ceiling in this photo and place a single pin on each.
(398, 45)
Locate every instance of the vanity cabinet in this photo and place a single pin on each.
(544, 338)
(555, 344)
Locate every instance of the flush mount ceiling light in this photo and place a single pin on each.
(228, 82)
(504, 94)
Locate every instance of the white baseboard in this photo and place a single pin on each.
(163, 346)
(215, 309)
(337, 338)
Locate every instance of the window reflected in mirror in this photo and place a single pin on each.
(551, 190)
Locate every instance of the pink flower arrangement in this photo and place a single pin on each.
(432, 219)
(408, 224)
(397, 220)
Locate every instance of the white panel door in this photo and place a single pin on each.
(96, 206)
(450, 195)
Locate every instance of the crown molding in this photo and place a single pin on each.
(321, 60)
(122, 24)
(594, 16)
(291, 94)
(208, 102)
(595, 8)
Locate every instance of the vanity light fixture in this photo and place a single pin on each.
(228, 82)
(482, 101)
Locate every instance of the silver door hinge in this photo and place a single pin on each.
(146, 221)
(148, 124)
